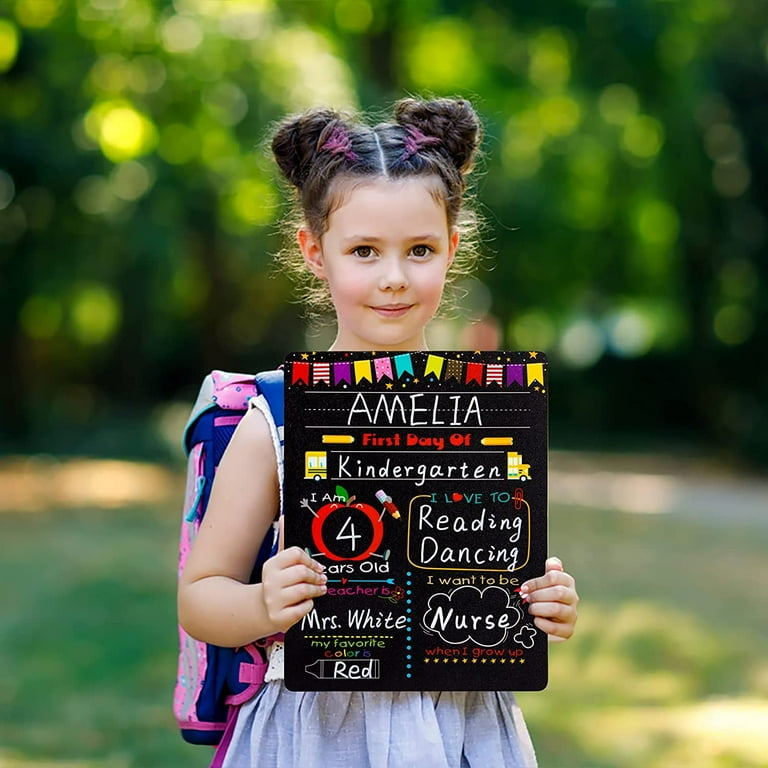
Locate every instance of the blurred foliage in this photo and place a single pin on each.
(625, 190)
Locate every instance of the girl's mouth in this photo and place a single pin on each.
(391, 311)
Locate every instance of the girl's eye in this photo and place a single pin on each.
(420, 251)
(363, 251)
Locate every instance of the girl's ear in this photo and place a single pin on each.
(312, 252)
(453, 244)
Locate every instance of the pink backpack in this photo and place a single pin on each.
(212, 682)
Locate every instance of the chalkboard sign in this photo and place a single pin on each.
(419, 479)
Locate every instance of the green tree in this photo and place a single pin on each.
(624, 194)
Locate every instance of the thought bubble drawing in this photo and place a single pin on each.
(525, 636)
(468, 614)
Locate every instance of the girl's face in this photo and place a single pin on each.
(385, 256)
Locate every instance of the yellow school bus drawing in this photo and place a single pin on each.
(516, 470)
(315, 465)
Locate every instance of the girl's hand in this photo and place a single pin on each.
(552, 601)
(289, 583)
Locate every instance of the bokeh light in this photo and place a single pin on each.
(582, 343)
(95, 313)
(121, 130)
(36, 14)
(442, 57)
(41, 316)
(354, 15)
(7, 189)
(9, 44)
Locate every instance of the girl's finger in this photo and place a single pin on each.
(295, 556)
(557, 593)
(557, 612)
(289, 615)
(300, 593)
(556, 632)
(300, 574)
(549, 579)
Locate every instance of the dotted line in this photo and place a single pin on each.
(409, 628)
(464, 660)
(349, 637)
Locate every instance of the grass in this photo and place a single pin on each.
(88, 640)
(668, 668)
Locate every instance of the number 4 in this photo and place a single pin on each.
(352, 536)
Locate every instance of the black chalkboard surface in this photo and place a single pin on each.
(419, 479)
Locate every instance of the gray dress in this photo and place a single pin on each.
(390, 729)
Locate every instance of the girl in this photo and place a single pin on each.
(381, 217)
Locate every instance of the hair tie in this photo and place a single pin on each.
(414, 140)
(339, 143)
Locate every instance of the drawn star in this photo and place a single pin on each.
(493, 661)
(533, 355)
(445, 660)
(474, 661)
(415, 381)
(503, 661)
(536, 387)
(426, 661)
(455, 661)
(522, 661)
(484, 660)
(512, 661)
(304, 356)
(465, 660)
(389, 385)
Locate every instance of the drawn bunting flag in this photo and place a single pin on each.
(403, 364)
(514, 375)
(453, 370)
(342, 373)
(434, 365)
(300, 373)
(383, 366)
(363, 371)
(475, 373)
(321, 372)
(535, 373)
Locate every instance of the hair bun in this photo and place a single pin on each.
(297, 140)
(453, 121)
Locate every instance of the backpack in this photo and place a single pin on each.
(213, 681)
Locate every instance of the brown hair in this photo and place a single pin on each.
(319, 149)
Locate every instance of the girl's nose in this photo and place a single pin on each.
(393, 276)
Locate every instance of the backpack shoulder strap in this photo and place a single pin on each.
(270, 401)
(270, 384)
